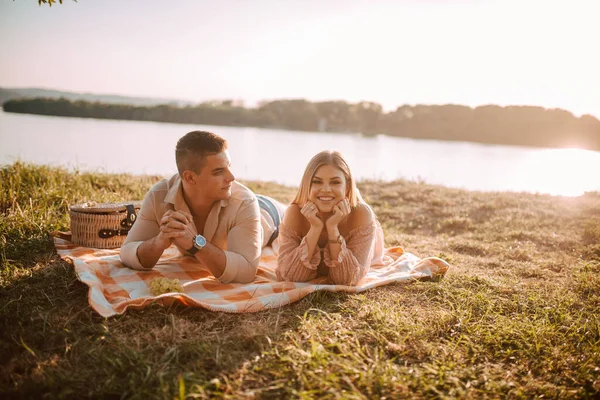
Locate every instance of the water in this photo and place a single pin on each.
(280, 156)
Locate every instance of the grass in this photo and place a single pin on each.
(518, 315)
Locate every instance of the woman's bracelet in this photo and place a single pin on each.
(338, 240)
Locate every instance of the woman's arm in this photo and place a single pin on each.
(297, 259)
(350, 260)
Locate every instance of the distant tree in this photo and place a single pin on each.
(50, 2)
(513, 125)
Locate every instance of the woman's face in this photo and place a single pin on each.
(327, 188)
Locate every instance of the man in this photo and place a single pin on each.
(205, 213)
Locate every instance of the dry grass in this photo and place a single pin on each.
(517, 316)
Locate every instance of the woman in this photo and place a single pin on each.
(328, 230)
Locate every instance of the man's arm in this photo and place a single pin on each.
(244, 244)
(213, 258)
(149, 251)
(244, 241)
(148, 238)
(181, 225)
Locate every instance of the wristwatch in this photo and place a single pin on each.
(199, 243)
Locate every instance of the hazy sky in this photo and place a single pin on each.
(392, 52)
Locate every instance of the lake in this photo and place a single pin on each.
(278, 155)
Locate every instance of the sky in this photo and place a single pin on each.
(470, 52)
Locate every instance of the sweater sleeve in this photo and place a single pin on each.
(293, 263)
(355, 256)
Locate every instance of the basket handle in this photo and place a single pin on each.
(130, 218)
(126, 224)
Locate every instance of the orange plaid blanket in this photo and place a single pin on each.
(114, 287)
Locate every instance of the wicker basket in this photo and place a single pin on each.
(102, 225)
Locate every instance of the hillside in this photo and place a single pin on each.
(7, 94)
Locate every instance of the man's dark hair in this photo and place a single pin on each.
(192, 149)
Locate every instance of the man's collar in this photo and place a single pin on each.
(224, 203)
(175, 193)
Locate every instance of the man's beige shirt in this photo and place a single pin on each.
(233, 225)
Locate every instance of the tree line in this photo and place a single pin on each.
(513, 125)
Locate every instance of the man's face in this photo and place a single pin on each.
(215, 179)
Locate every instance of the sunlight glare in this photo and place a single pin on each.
(554, 171)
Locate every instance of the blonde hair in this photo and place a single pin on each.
(335, 159)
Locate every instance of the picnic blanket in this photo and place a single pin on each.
(114, 288)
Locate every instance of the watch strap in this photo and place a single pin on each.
(193, 250)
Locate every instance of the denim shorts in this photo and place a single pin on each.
(266, 204)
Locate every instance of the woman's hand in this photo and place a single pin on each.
(340, 211)
(311, 213)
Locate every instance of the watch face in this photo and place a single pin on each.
(200, 241)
